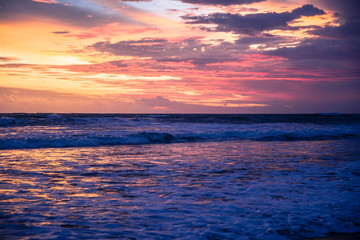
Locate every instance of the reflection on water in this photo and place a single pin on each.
(227, 190)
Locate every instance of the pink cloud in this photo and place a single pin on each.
(45, 1)
(111, 30)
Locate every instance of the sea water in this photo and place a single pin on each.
(138, 176)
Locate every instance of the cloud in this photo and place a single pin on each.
(8, 59)
(307, 10)
(348, 12)
(190, 50)
(26, 100)
(346, 9)
(199, 61)
(161, 104)
(46, 1)
(252, 24)
(111, 30)
(336, 50)
(349, 29)
(323, 58)
(61, 32)
(16, 65)
(320, 49)
(75, 15)
(306, 96)
(264, 38)
(146, 47)
(221, 2)
(208, 2)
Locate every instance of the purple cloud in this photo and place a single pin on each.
(321, 49)
(61, 32)
(349, 19)
(146, 47)
(15, 10)
(221, 2)
(8, 59)
(252, 24)
(349, 29)
(307, 10)
(189, 50)
(337, 47)
(346, 9)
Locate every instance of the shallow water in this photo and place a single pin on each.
(239, 189)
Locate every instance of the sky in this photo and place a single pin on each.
(180, 56)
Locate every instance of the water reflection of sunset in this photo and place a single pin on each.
(83, 190)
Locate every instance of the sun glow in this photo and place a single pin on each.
(66, 60)
(259, 56)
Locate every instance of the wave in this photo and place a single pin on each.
(41, 140)
(22, 130)
(50, 119)
(83, 140)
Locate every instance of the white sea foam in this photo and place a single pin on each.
(283, 190)
(56, 132)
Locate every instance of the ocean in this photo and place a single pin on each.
(179, 176)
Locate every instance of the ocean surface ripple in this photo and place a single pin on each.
(178, 177)
(19, 131)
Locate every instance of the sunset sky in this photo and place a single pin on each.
(180, 56)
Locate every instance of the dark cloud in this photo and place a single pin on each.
(306, 96)
(16, 65)
(336, 48)
(8, 59)
(146, 47)
(11, 10)
(61, 32)
(348, 12)
(350, 29)
(190, 50)
(265, 38)
(221, 2)
(252, 24)
(336, 59)
(307, 10)
(346, 9)
(199, 60)
(118, 64)
(318, 49)
(157, 102)
(161, 104)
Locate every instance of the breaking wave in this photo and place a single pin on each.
(76, 139)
